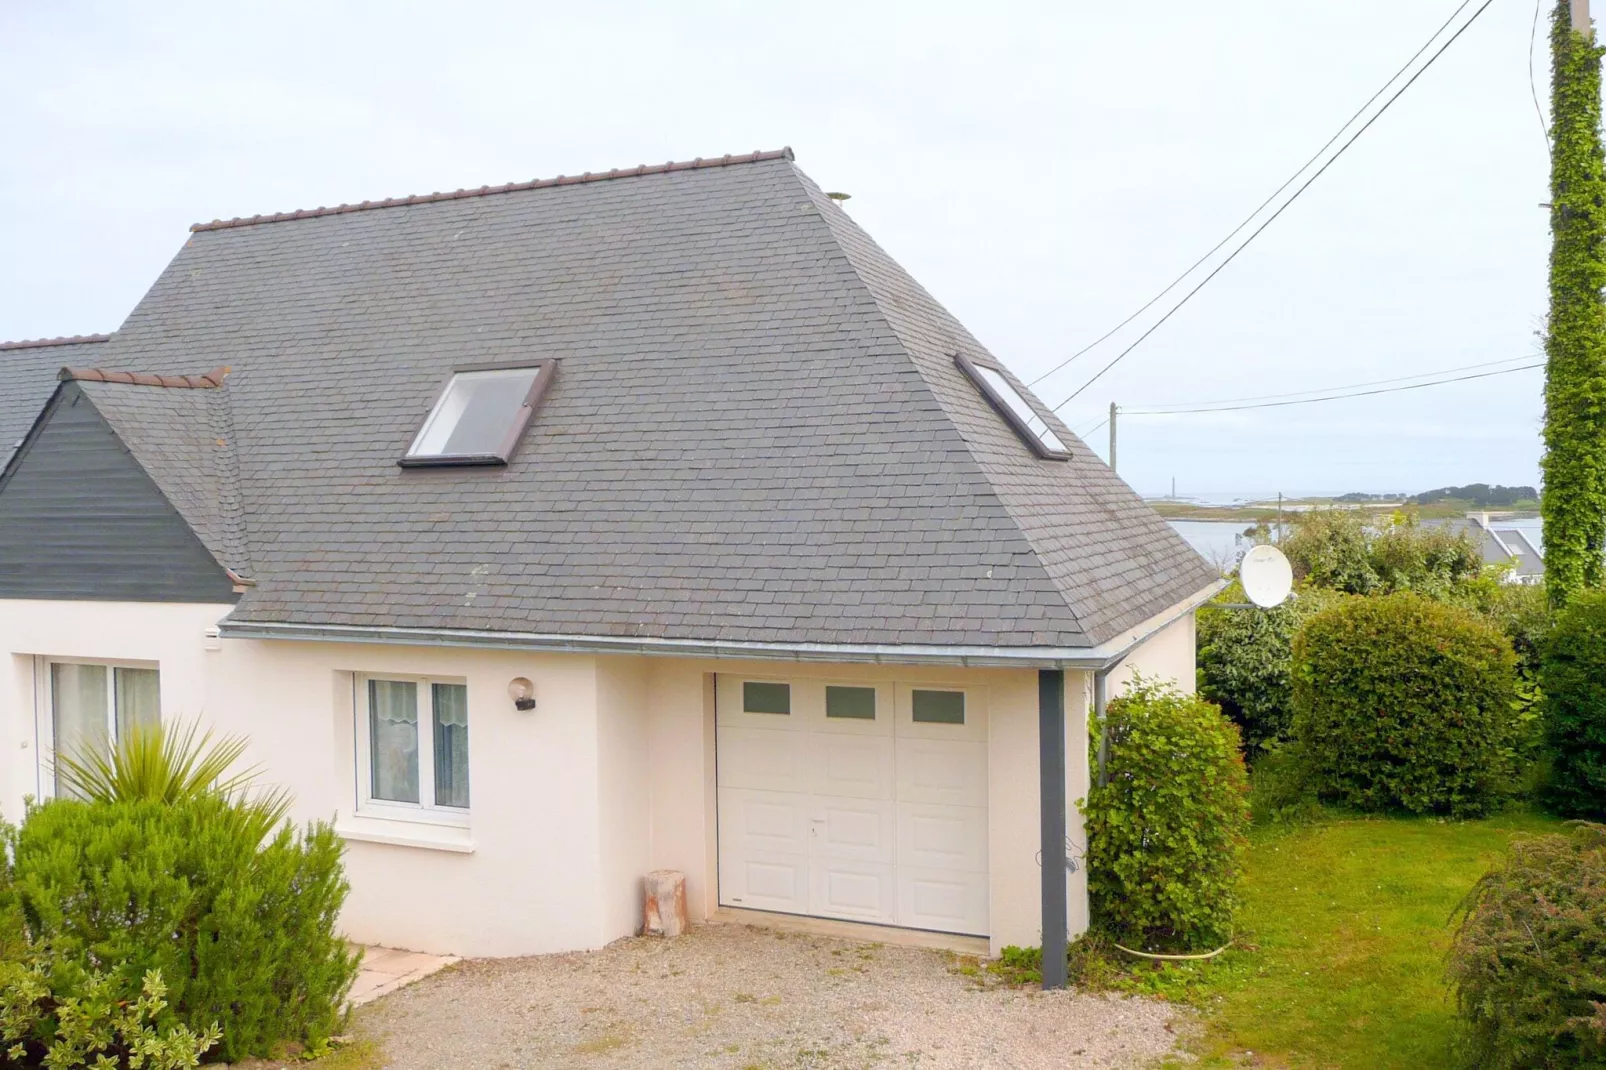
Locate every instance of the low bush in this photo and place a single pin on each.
(1280, 789)
(1244, 657)
(1402, 702)
(241, 930)
(1166, 835)
(54, 1015)
(170, 869)
(1572, 678)
(1528, 963)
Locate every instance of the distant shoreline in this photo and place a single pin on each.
(1254, 512)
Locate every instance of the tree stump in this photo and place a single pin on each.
(665, 903)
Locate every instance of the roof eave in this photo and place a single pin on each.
(1089, 658)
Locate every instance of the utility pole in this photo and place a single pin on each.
(1113, 411)
(1573, 502)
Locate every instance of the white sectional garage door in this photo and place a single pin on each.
(866, 802)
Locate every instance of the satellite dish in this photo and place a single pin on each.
(1267, 576)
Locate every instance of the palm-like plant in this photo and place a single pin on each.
(172, 765)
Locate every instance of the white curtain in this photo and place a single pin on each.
(451, 744)
(138, 698)
(78, 697)
(393, 739)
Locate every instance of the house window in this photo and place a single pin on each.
(760, 697)
(413, 749)
(480, 415)
(92, 707)
(851, 703)
(1012, 405)
(939, 707)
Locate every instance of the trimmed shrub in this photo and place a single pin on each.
(1244, 659)
(1529, 960)
(1166, 836)
(1572, 678)
(240, 929)
(1402, 702)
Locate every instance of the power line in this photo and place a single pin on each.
(1330, 397)
(1273, 217)
(1276, 192)
(1533, 86)
(1194, 407)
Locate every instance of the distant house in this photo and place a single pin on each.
(1501, 543)
(661, 505)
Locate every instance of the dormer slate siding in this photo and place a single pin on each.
(756, 431)
(82, 520)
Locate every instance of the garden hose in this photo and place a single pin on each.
(1175, 958)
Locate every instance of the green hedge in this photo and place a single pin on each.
(241, 930)
(1165, 838)
(1402, 702)
(1529, 960)
(1572, 678)
(1244, 658)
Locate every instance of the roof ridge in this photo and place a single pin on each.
(212, 380)
(698, 164)
(65, 340)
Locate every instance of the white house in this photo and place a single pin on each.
(544, 535)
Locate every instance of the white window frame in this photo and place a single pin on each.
(426, 810)
(45, 710)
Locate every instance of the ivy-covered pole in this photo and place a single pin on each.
(1574, 466)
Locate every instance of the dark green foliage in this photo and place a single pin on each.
(1243, 658)
(1479, 496)
(1331, 548)
(1402, 702)
(241, 930)
(1280, 788)
(1334, 548)
(1573, 682)
(1529, 960)
(1430, 561)
(1574, 464)
(1166, 837)
(54, 1014)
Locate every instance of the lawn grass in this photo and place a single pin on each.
(1346, 924)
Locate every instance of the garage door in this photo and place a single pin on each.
(866, 802)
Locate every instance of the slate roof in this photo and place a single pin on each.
(184, 439)
(756, 433)
(28, 373)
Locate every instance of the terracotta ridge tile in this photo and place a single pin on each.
(72, 340)
(212, 380)
(510, 187)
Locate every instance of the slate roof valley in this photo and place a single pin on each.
(757, 430)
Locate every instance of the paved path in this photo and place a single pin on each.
(385, 969)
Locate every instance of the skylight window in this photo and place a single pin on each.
(1014, 408)
(480, 415)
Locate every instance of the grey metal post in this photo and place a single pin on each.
(1113, 411)
(1051, 765)
(1580, 10)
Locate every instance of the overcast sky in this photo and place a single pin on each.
(1043, 169)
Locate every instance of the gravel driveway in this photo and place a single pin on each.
(743, 998)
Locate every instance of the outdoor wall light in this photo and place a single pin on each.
(522, 692)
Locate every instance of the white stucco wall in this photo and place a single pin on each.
(611, 775)
(1168, 655)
